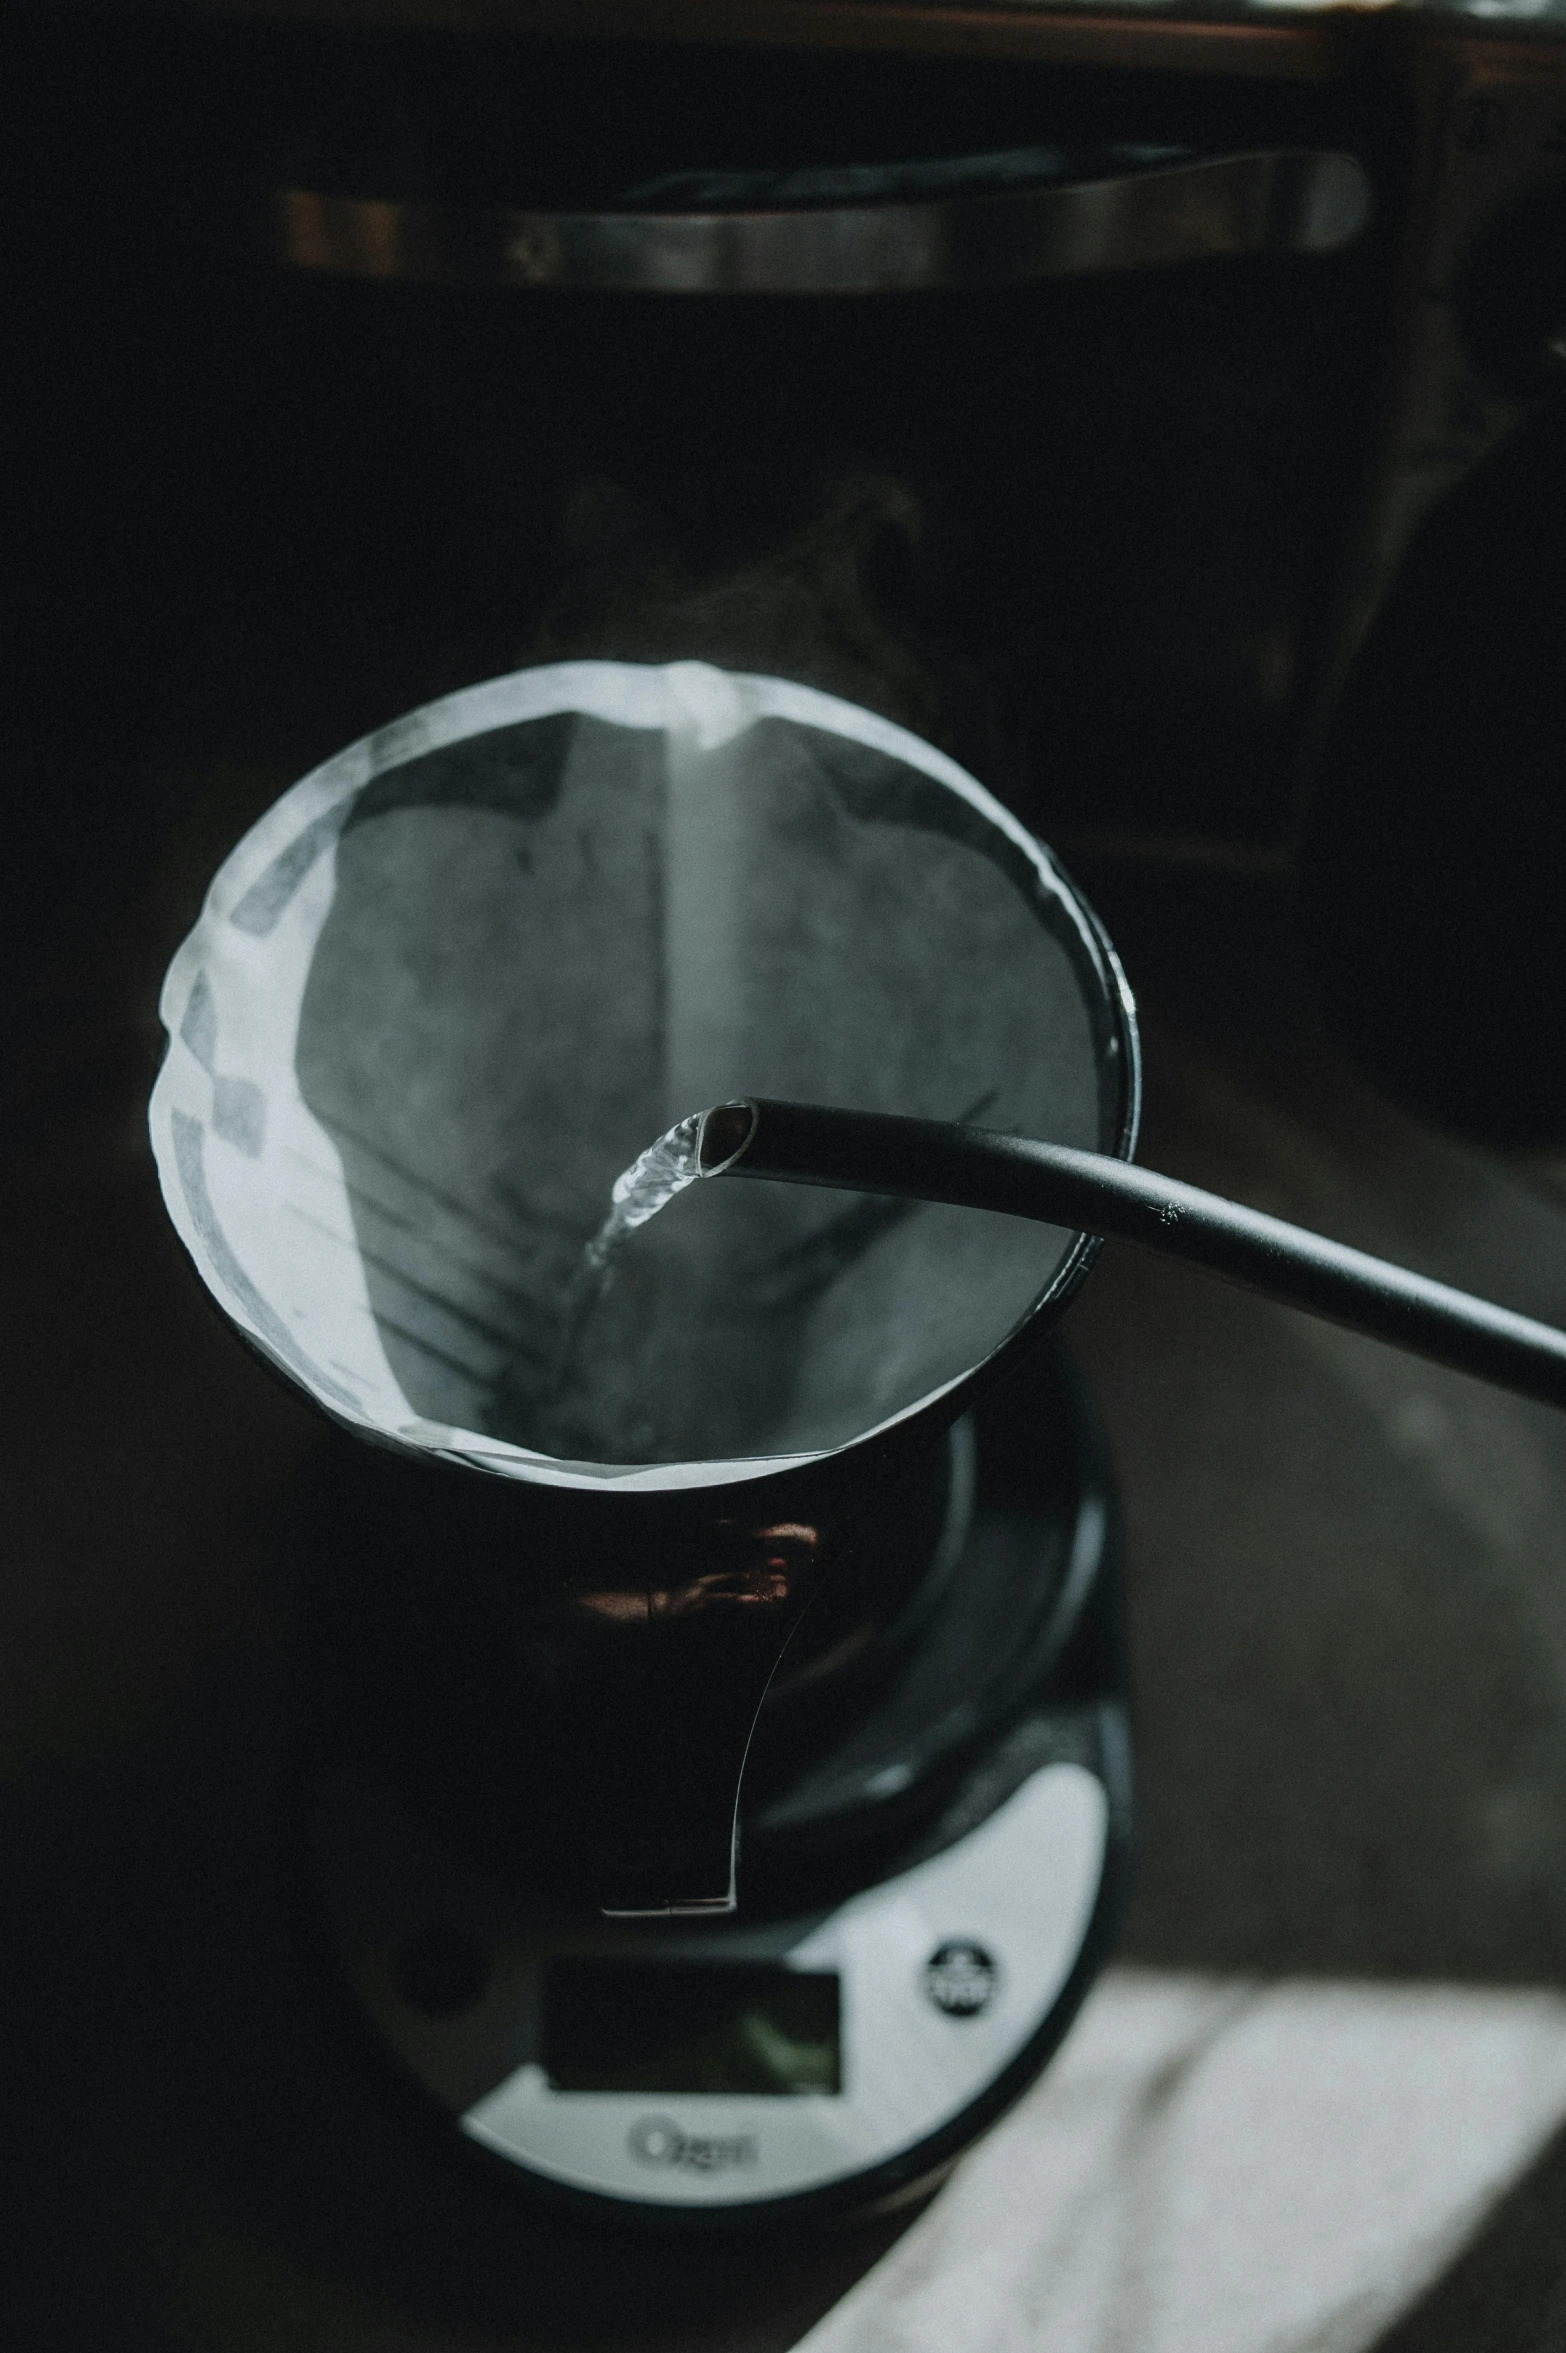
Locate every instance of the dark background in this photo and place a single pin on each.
(252, 519)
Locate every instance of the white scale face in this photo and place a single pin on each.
(881, 2025)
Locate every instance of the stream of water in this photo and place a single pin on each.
(648, 1185)
(651, 1182)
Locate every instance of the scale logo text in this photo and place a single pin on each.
(658, 2140)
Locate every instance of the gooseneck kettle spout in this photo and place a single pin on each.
(977, 1168)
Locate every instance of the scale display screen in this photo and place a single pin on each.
(640, 2026)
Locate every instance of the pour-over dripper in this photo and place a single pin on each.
(455, 981)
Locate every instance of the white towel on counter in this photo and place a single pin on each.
(1219, 2165)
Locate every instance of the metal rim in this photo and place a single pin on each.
(1288, 201)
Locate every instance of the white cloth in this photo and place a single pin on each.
(1219, 2166)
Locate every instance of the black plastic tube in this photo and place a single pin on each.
(976, 1168)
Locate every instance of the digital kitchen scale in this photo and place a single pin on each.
(922, 1907)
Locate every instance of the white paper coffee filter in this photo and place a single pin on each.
(455, 980)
